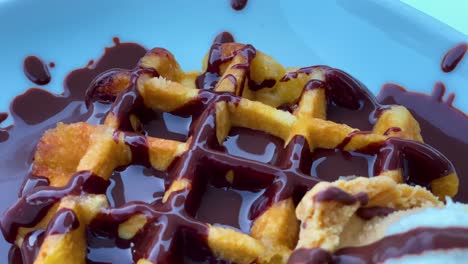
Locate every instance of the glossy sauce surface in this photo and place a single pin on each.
(228, 207)
(254, 186)
(238, 4)
(453, 57)
(36, 70)
(254, 145)
(442, 126)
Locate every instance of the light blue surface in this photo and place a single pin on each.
(376, 41)
(450, 12)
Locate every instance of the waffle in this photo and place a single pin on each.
(239, 87)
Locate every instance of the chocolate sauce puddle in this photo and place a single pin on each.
(442, 125)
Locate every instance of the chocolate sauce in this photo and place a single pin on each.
(224, 37)
(30, 209)
(335, 194)
(453, 57)
(442, 125)
(36, 70)
(389, 247)
(136, 183)
(264, 174)
(32, 116)
(216, 57)
(267, 83)
(138, 145)
(331, 164)
(64, 221)
(32, 182)
(30, 247)
(3, 116)
(392, 130)
(227, 206)
(368, 213)
(104, 248)
(166, 125)
(52, 64)
(348, 100)
(238, 4)
(310, 256)
(251, 144)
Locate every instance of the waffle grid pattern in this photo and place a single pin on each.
(157, 230)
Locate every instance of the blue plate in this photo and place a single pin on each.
(376, 41)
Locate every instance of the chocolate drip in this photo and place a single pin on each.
(453, 57)
(64, 221)
(392, 130)
(3, 116)
(31, 183)
(348, 138)
(368, 213)
(30, 248)
(224, 37)
(36, 70)
(138, 145)
(238, 4)
(305, 70)
(335, 194)
(130, 101)
(255, 86)
(209, 79)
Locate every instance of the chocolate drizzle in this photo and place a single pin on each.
(390, 247)
(30, 209)
(335, 194)
(368, 213)
(64, 221)
(217, 56)
(254, 86)
(30, 247)
(453, 57)
(175, 230)
(348, 100)
(36, 70)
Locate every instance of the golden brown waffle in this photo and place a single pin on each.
(240, 87)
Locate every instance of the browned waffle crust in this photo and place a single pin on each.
(240, 87)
